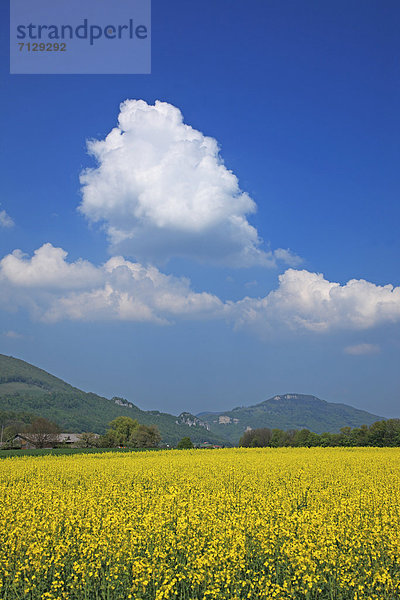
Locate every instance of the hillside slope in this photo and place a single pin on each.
(290, 411)
(25, 388)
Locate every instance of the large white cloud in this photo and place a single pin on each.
(309, 301)
(161, 189)
(54, 289)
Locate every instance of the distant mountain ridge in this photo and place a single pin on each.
(287, 411)
(25, 388)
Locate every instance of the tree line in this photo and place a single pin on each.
(380, 433)
(129, 433)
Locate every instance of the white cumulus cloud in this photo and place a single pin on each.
(47, 269)
(54, 289)
(161, 189)
(305, 300)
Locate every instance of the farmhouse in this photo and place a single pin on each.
(27, 441)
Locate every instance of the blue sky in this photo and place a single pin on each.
(302, 99)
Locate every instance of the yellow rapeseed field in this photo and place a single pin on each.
(285, 523)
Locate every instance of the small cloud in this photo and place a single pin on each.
(48, 269)
(251, 283)
(288, 257)
(13, 335)
(5, 219)
(359, 349)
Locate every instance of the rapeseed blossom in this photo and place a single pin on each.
(233, 524)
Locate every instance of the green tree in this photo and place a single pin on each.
(185, 444)
(145, 436)
(392, 432)
(256, 438)
(120, 432)
(376, 434)
(301, 437)
(109, 439)
(325, 439)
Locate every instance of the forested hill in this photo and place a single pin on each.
(27, 390)
(289, 411)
